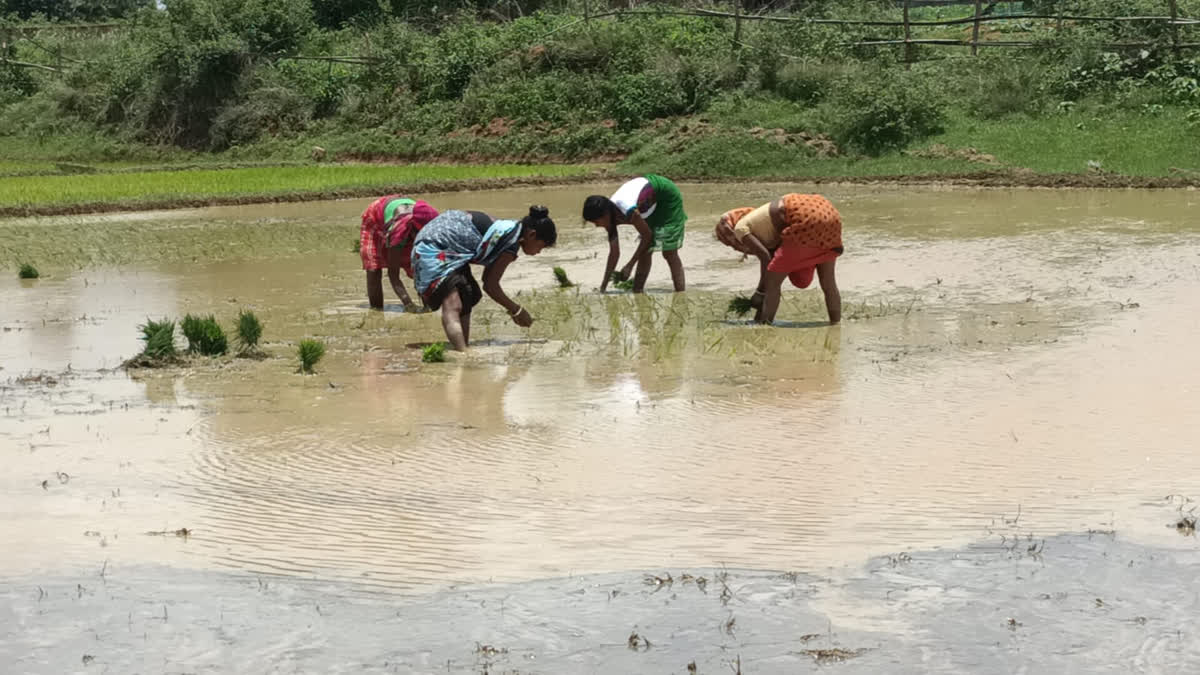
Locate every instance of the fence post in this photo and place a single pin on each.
(737, 24)
(587, 12)
(975, 30)
(908, 36)
(1174, 27)
(1058, 24)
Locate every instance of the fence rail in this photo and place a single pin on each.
(1172, 20)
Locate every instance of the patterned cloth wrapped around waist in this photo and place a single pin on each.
(451, 241)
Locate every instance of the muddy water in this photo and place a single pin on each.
(1010, 354)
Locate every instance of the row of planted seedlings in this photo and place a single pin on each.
(205, 337)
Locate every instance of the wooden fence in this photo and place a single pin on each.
(908, 43)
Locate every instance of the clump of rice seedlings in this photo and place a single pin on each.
(434, 353)
(28, 271)
(740, 305)
(620, 282)
(204, 335)
(310, 351)
(249, 331)
(561, 276)
(357, 245)
(159, 337)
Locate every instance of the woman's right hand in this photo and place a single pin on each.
(523, 318)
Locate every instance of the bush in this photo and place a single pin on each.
(809, 82)
(886, 112)
(204, 335)
(1004, 86)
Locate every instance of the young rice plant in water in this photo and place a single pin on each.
(434, 353)
(204, 335)
(740, 305)
(249, 331)
(560, 275)
(620, 282)
(159, 337)
(28, 271)
(310, 352)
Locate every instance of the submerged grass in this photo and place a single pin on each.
(258, 183)
(434, 353)
(310, 352)
(28, 271)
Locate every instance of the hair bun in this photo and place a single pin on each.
(539, 212)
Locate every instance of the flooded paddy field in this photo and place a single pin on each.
(1006, 412)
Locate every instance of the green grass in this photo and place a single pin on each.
(434, 353)
(249, 331)
(1126, 142)
(204, 335)
(310, 352)
(258, 183)
(28, 271)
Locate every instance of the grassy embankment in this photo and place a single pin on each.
(124, 190)
(1068, 149)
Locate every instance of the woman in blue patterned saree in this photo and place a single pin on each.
(446, 248)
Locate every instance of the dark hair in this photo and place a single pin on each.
(539, 222)
(598, 205)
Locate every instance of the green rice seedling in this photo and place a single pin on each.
(620, 282)
(28, 271)
(434, 353)
(357, 245)
(249, 331)
(159, 337)
(311, 351)
(204, 335)
(561, 276)
(741, 305)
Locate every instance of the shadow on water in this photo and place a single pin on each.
(779, 323)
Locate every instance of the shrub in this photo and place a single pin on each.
(1002, 86)
(807, 82)
(886, 112)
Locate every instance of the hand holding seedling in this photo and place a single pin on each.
(522, 317)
